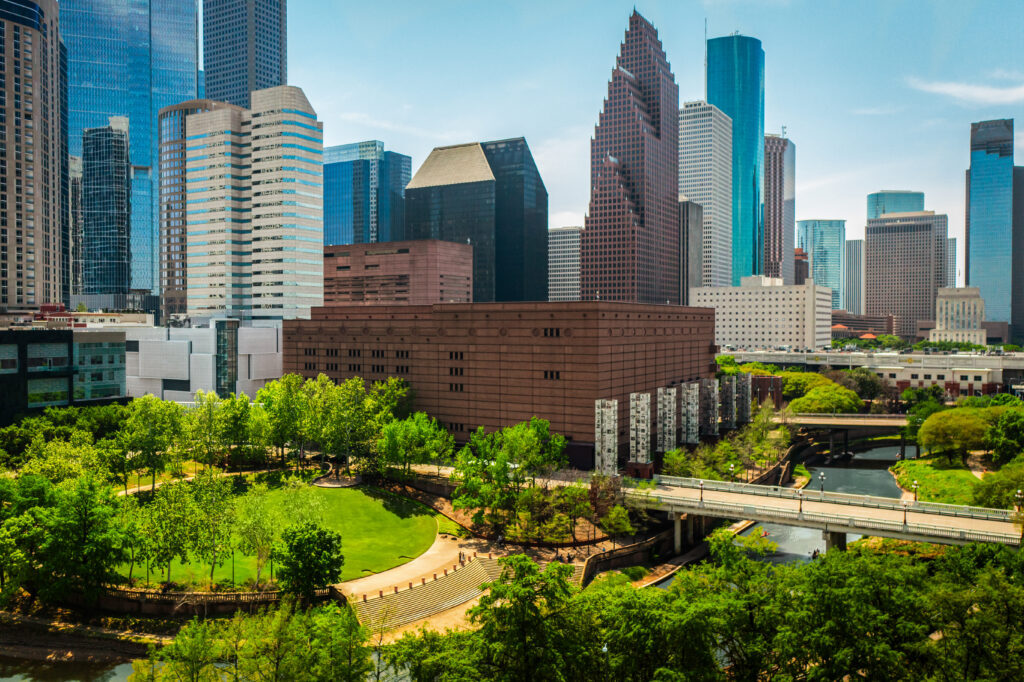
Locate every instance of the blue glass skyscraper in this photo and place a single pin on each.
(131, 59)
(364, 193)
(825, 244)
(735, 84)
(894, 201)
(995, 223)
(106, 209)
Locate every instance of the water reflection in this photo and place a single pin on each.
(40, 671)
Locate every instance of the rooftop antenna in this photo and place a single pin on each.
(783, 131)
(705, 59)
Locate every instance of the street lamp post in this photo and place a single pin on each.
(905, 512)
(1020, 501)
(702, 492)
(732, 474)
(915, 491)
(821, 481)
(800, 494)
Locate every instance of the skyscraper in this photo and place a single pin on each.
(825, 244)
(735, 84)
(131, 59)
(995, 223)
(894, 201)
(854, 289)
(34, 239)
(691, 248)
(564, 263)
(173, 202)
(255, 241)
(904, 266)
(491, 195)
(364, 193)
(951, 262)
(705, 177)
(106, 209)
(75, 256)
(245, 48)
(630, 245)
(779, 206)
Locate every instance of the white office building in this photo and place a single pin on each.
(224, 357)
(854, 293)
(959, 313)
(254, 241)
(705, 177)
(763, 313)
(564, 263)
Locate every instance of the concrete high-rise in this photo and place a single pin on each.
(951, 262)
(825, 244)
(364, 193)
(630, 245)
(564, 263)
(994, 243)
(854, 289)
(905, 265)
(76, 258)
(173, 202)
(254, 240)
(106, 209)
(779, 206)
(735, 84)
(491, 195)
(131, 59)
(34, 230)
(705, 177)
(894, 201)
(691, 248)
(245, 48)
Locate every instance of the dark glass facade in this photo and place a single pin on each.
(131, 59)
(894, 201)
(364, 193)
(735, 84)
(779, 207)
(489, 195)
(630, 245)
(995, 224)
(226, 361)
(245, 48)
(106, 209)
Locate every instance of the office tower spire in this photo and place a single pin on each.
(735, 83)
(630, 247)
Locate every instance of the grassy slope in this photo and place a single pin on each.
(939, 480)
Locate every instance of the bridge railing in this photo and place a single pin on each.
(841, 498)
(735, 510)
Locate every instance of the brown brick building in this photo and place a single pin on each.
(417, 272)
(495, 364)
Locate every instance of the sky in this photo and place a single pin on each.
(875, 94)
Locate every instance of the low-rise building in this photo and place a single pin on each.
(495, 364)
(224, 357)
(764, 313)
(42, 368)
(415, 272)
(847, 325)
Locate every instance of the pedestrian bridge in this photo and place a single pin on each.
(844, 421)
(835, 514)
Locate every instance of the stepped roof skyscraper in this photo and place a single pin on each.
(630, 247)
(735, 83)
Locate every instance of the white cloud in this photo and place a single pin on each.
(1006, 75)
(971, 92)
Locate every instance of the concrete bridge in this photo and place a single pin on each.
(835, 514)
(845, 421)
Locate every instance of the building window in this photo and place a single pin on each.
(456, 388)
(355, 353)
(401, 369)
(963, 377)
(309, 351)
(331, 352)
(552, 374)
(402, 354)
(455, 355)
(455, 371)
(332, 367)
(977, 378)
(913, 376)
(310, 365)
(355, 368)
(552, 331)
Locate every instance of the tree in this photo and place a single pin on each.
(919, 413)
(339, 643)
(170, 525)
(798, 384)
(84, 542)
(828, 398)
(998, 489)
(868, 384)
(955, 432)
(311, 559)
(192, 655)
(150, 430)
(616, 522)
(132, 517)
(215, 507)
(1006, 437)
(256, 528)
(574, 502)
(285, 404)
(913, 396)
(234, 428)
(415, 440)
(202, 426)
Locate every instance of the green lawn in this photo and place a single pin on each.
(939, 480)
(379, 531)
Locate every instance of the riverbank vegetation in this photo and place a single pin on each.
(858, 614)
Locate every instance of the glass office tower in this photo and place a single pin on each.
(131, 59)
(245, 48)
(106, 209)
(735, 84)
(894, 201)
(364, 193)
(825, 244)
(995, 223)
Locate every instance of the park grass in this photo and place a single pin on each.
(937, 478)
(379, 530)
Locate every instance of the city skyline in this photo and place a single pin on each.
(903, 129)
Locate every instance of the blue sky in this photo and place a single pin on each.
(876, 94)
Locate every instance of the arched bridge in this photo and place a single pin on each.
(835, 514)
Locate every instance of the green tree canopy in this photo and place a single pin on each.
(311, 559)
(827, 398)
